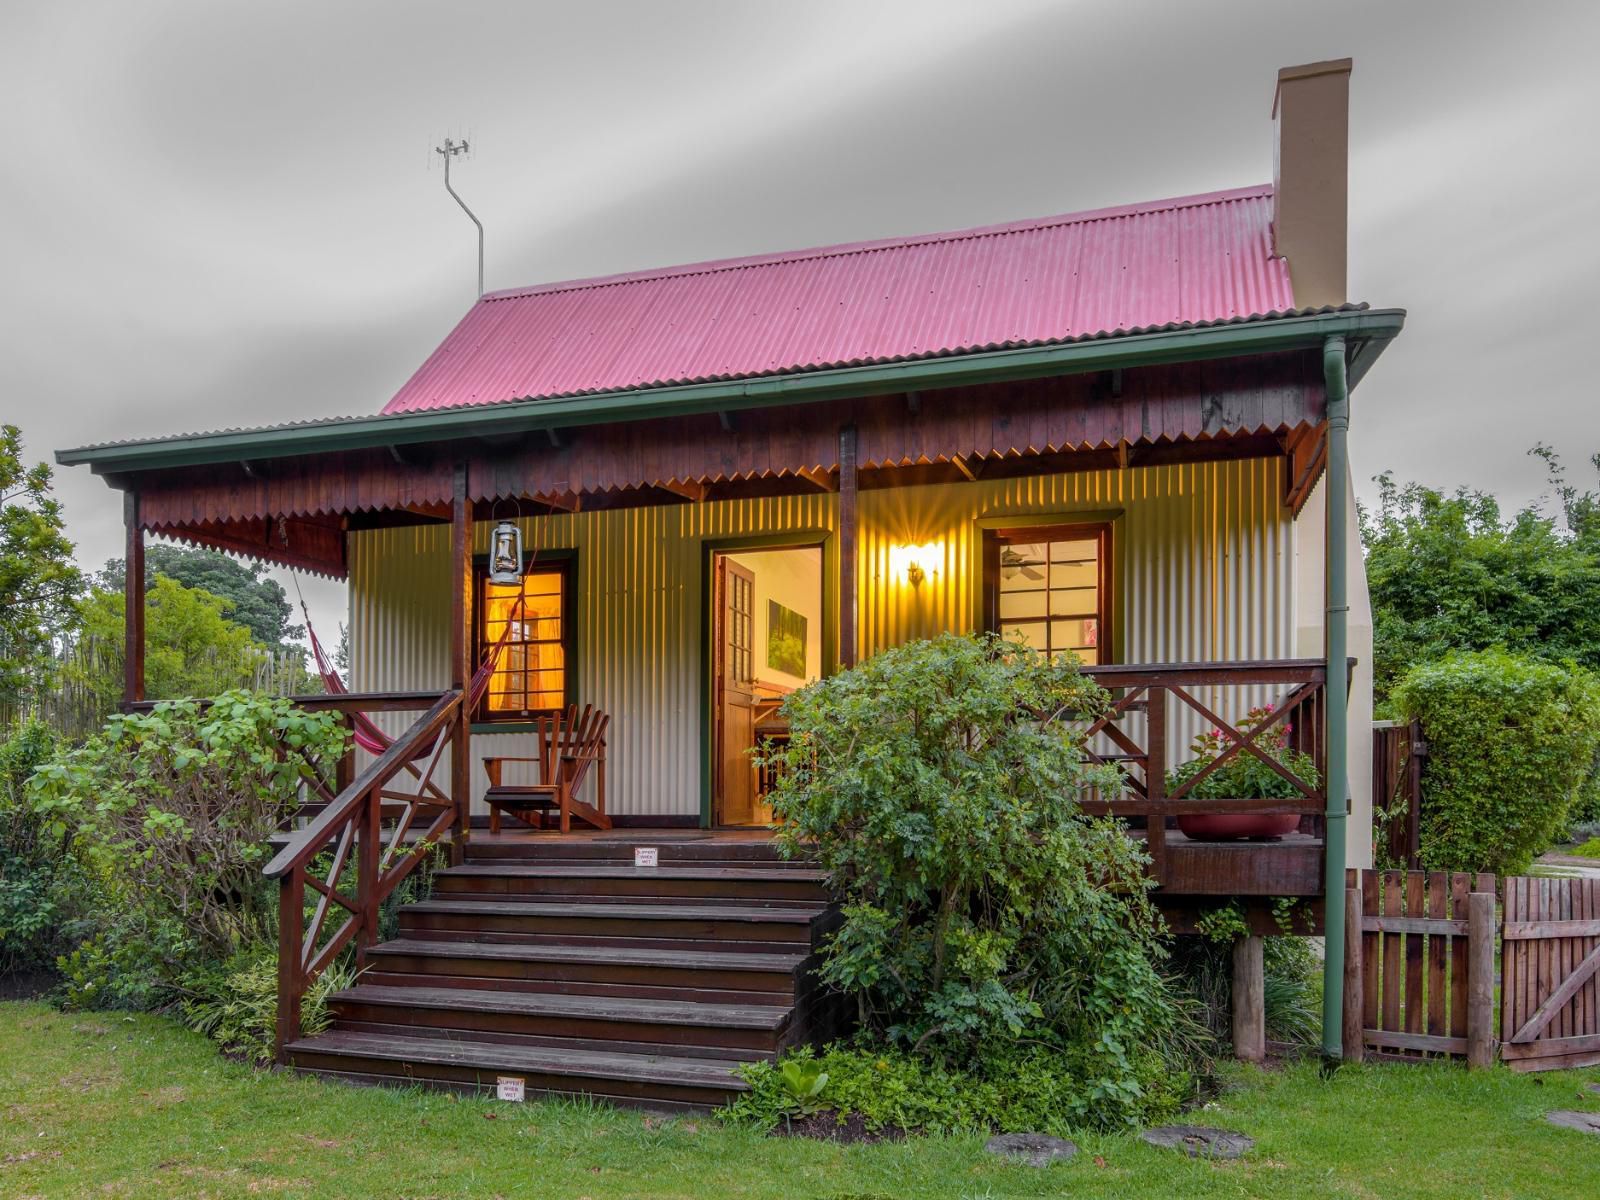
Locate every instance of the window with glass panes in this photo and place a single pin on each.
(1047, 585)
(531, 674)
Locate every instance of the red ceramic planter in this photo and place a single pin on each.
(1232, 827)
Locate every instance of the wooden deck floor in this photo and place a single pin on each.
(1289, 866)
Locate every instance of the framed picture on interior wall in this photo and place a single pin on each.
(786, 640)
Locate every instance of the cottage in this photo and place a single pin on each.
(610, 523)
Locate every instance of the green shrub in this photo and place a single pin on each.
(1586, 804)
(1035, 1088)
(937, 784)
(1589, 849)
(126, 962)
(43, 893)
(1511, 740)
(169, 812)
(236, 1004)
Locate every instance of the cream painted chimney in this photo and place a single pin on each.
(1310, 176)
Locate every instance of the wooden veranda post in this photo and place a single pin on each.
(133, 603)
(847, 545)
(1155, 780)
(291, 918)
(461, 657)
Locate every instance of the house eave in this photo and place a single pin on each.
(1366, 333)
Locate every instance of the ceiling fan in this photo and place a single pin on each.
(1014, 562)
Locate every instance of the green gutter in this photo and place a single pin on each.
(1336, 549)
(1369, 330)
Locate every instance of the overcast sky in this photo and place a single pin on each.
(225, 213)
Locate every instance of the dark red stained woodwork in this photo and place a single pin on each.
(1307, 450)
(460, 650)
(325, 485)
(313, 544)
(848, 440)
(133, 602)
(1157, 406)
(460, 581)
(296, 511)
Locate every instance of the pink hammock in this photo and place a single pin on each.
(367, 735)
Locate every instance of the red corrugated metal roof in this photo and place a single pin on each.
(1191, 259)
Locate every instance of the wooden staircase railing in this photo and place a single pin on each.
(1165, 693)
(349, 831)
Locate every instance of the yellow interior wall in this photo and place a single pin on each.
(794, 579)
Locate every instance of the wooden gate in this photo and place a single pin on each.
(1419, 965)
(1397, 754)
(1550, 994)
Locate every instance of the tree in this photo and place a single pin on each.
(38, 581)
(191, 646)
(259, 602)
(1448, 572)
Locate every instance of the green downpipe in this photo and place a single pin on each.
(1336, 543)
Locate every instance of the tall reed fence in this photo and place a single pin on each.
(74, 706)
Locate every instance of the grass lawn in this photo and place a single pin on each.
(113, 1105)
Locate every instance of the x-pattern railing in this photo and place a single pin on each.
(1163, 693)
(348, 860)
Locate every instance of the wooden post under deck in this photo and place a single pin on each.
(133, 602)
(847, 546)
(1249, 1000)
(461, 658)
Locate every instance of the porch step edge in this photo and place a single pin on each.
(794, 913)
(713, 1073)
(766, 1018)
(524, 870)
(711, 960)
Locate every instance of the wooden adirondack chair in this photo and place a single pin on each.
(569, 743)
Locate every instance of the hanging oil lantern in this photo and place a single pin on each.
(505, 553)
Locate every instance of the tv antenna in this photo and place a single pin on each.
(448, 151)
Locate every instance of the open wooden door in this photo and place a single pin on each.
(734, 789)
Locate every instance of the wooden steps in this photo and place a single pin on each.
(746, 1030)
(704, 970)
(645, 1079)
(764, 885)
(558, 961)
(683, 926)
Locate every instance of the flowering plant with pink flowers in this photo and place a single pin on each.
(1245, 776)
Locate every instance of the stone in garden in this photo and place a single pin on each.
(1199, 1141)
(1583, 1122)
(1034, 1149)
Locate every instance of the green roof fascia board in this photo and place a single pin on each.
(1365, 331)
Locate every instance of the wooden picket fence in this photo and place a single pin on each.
(1419, 978)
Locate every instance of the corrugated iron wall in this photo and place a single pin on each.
(639, 611)
(1203, 564)
(1203, 571)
